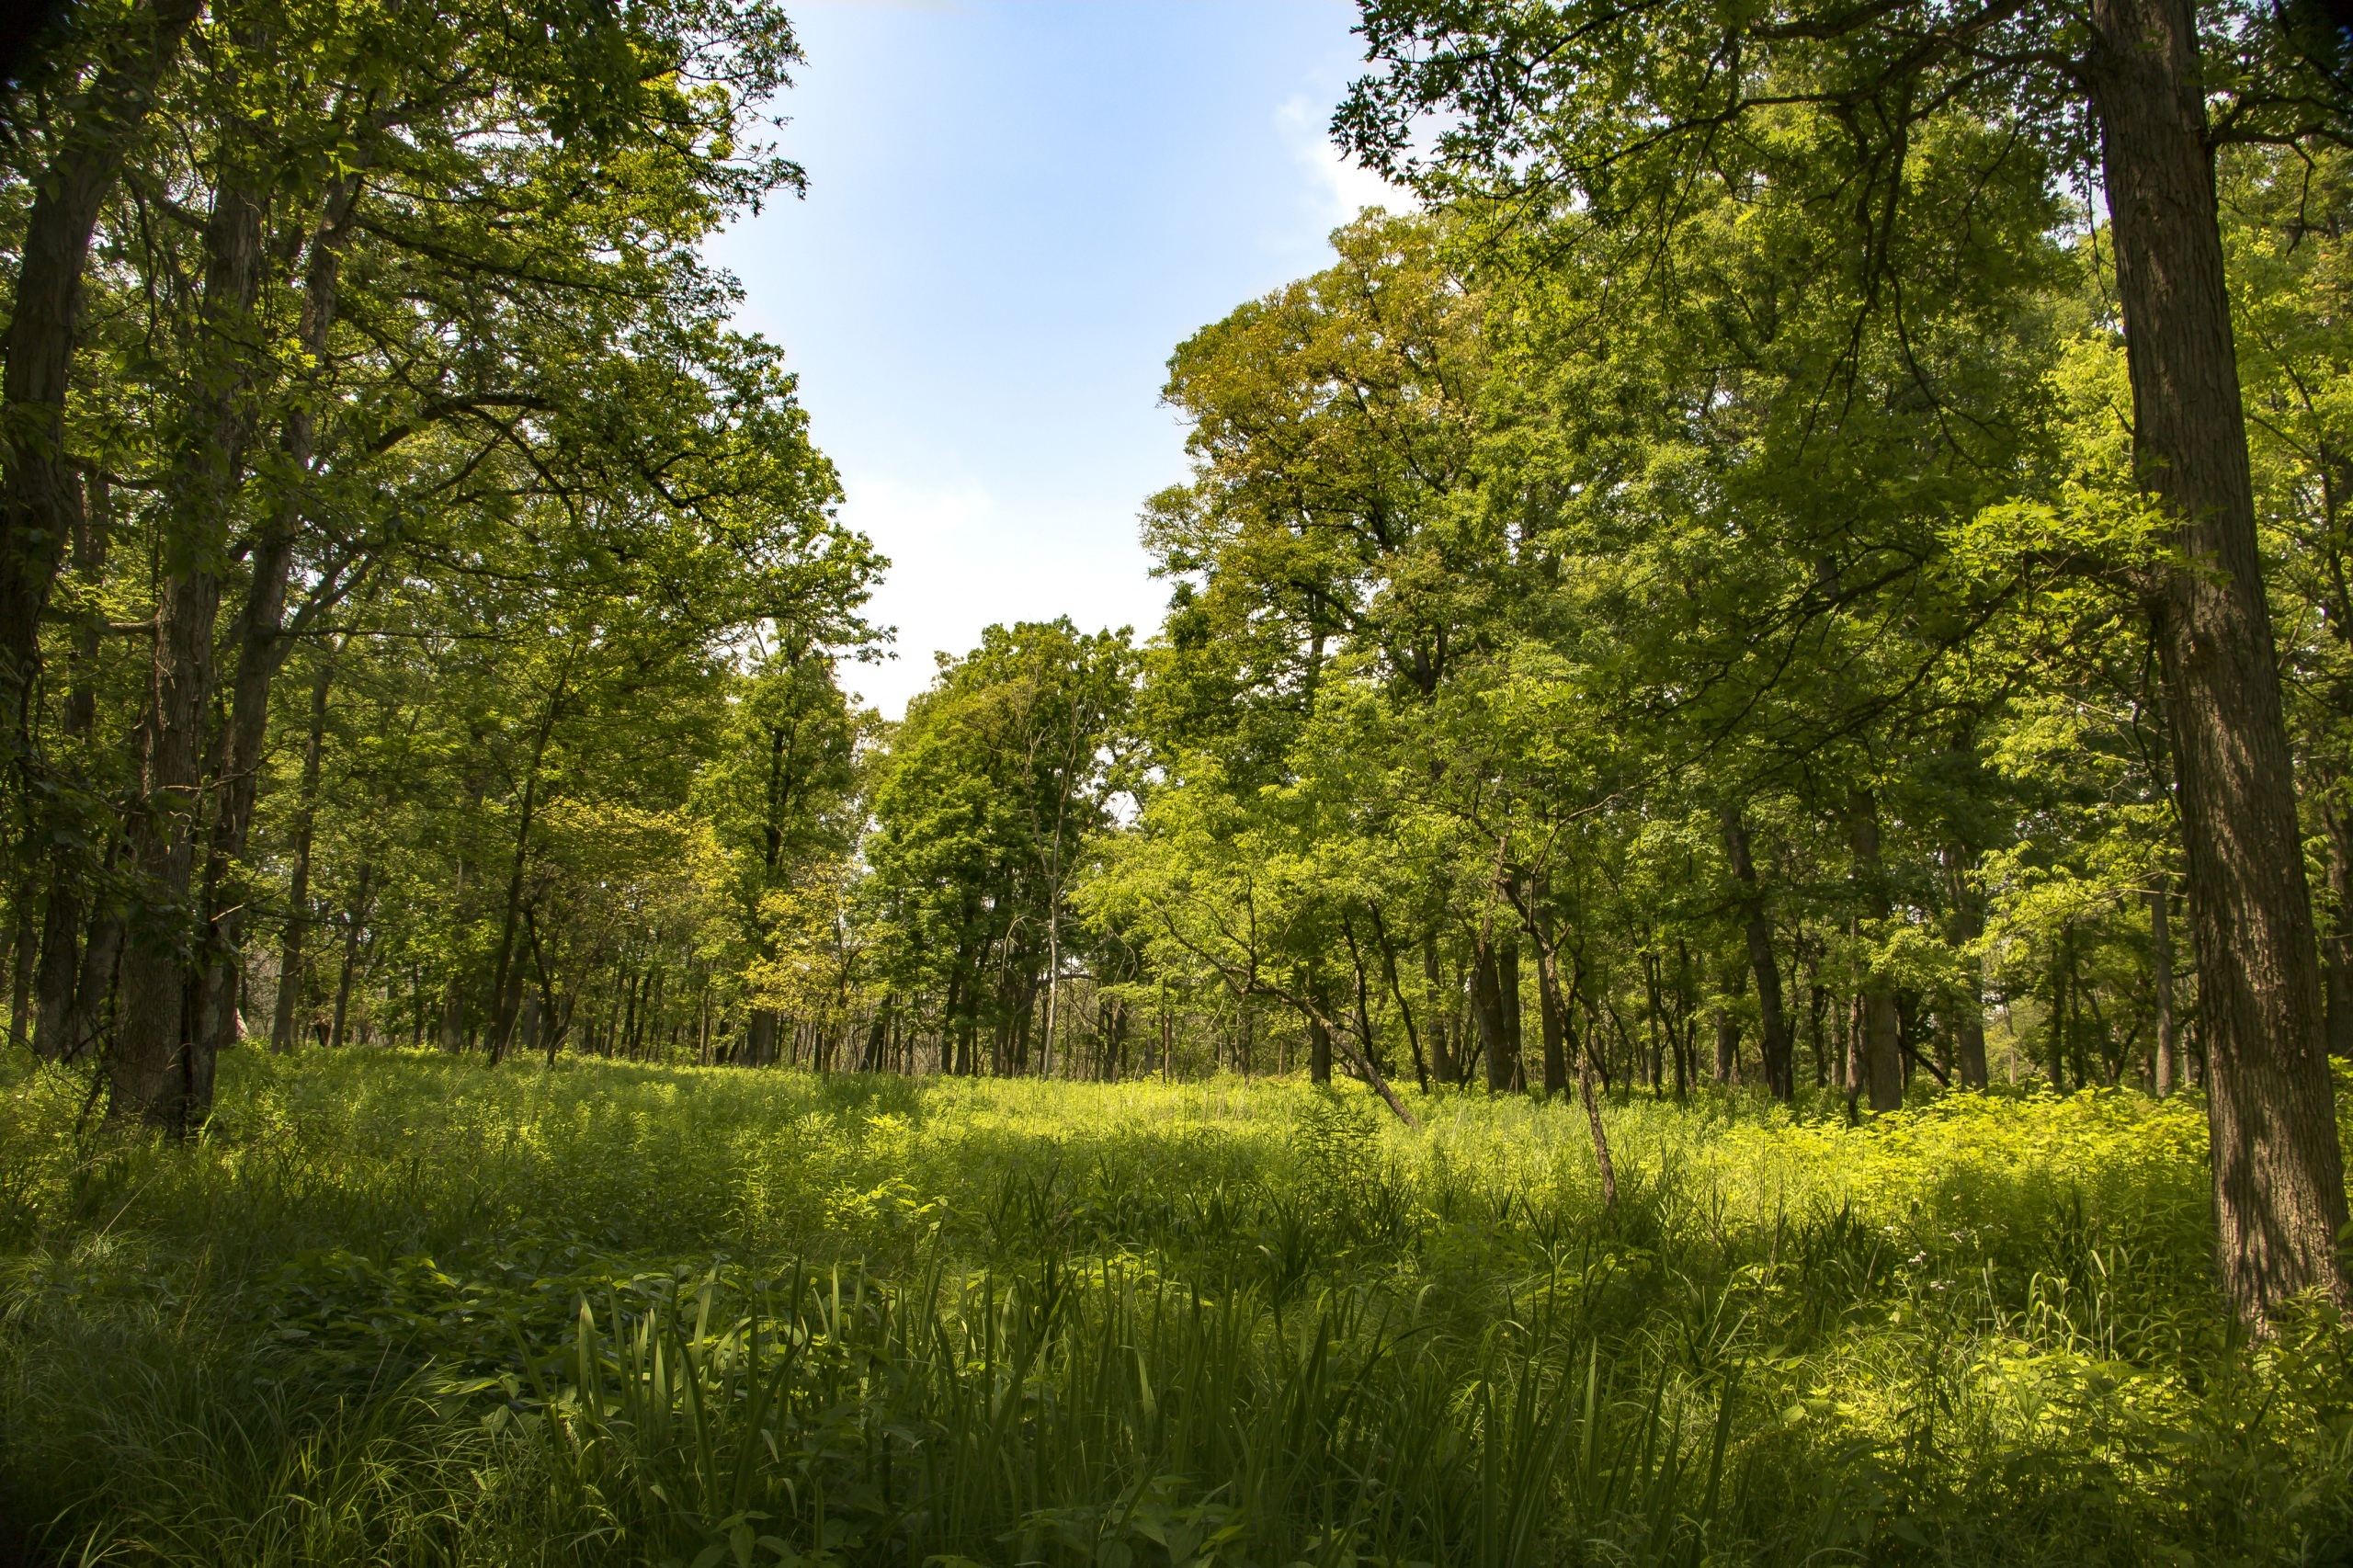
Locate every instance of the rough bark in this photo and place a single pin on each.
(2279, 1172)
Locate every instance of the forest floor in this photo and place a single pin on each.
(396, 1308)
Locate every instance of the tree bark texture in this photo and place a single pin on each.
(2278, 1173)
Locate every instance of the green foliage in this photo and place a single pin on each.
(397, 1309)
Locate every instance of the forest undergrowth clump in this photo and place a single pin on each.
(395, 1308)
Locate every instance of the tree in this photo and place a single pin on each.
(1629, 109)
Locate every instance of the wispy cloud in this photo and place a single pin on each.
(1336, 186)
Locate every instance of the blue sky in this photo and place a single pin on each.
(1016, 210)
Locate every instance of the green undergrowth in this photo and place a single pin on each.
(398, 1309)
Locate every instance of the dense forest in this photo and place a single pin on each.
(1802, 573)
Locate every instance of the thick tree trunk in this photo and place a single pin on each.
(37, 486)
(1878, 1033)
(282, 1029)
(2279, 1172)
(150, 1068)
(155, 1074)
(1727, 1046)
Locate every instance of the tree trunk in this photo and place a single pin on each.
(1966, 927)
(2278, 1173)
(55, 1032)
(155, 1074)
(1442, 1055)
(2337, 948)
(1880, 1030)
(2164, 1068)
(261, 650)
(1405, 1009)
(1555, 1023)
(357, 918)
(1757, 926)
(24, 947)
(1487, 1010)
(1548, 977)
(38, 498)
(1319, 1042)
(1508, 1013)
(505, 987)
(283, 1030)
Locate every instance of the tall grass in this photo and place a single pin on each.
(404, 1310)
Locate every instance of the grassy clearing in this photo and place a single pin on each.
(398, 1309)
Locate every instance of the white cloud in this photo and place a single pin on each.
(963, 556)
(1337, 186)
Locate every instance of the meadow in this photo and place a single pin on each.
(399, 1308)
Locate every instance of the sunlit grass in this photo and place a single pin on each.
(397, 1308)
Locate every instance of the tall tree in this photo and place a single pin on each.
(1626, 105)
